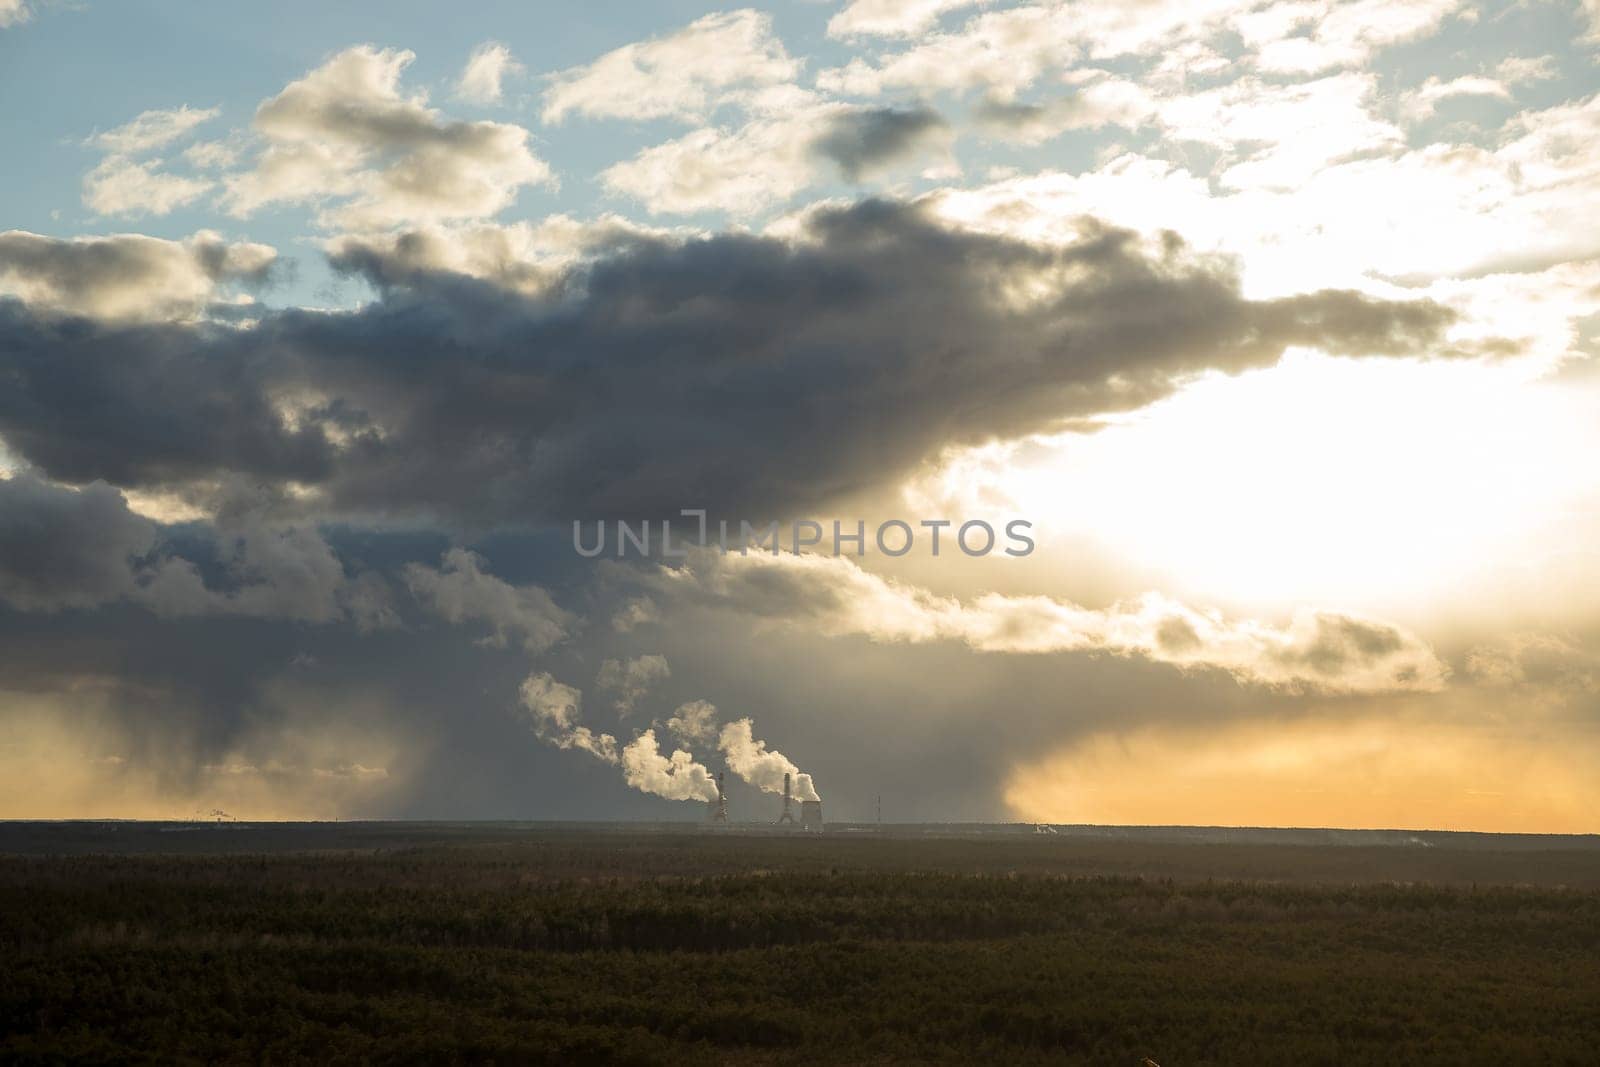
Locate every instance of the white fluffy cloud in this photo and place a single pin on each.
(482, 80)
(1299, 37)
(123, 184)
(152, 129)
(346, 138)
(890, 18)
(1004, 51)
(740, 170)
(721, 58)
(13, 12)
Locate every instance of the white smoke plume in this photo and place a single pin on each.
(762, 767)
(694, 722)
(676, 777)
(554, 710)
(631, 679)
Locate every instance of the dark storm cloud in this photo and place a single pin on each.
(145, 405)
(743, 373)
(865, 140)
(65, 549)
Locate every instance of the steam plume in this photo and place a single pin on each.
(762, 767)
(694, 722)
(554, 710)
(676, 777)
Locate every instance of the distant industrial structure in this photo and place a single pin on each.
(787, 818)
(810, 810)
(718, 808)
(810, 818)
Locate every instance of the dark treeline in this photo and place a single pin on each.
(615, 948)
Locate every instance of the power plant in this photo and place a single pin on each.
(810, 810)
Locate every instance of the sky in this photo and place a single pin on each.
(1261, 333)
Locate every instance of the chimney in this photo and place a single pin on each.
(788, 815)
(718, 812)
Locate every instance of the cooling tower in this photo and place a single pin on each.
(811, 815)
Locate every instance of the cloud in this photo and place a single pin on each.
(1004, 52)
(1548, 668)
(63, 548)
(124, 185)
(864, 141)
(486, 69)
(739, 171)
(345, 138)
(907, 336)
(529, 258)
(722, 58)
(151, 130)
(1421, 102)
(1279, 136)
(1101, 100)
(460, 591)
(1001, 52)
(127, 276)
(121, 186)
(630, 680)
(212, 155)
(890, 18)
(1341, 34)
(768, 160)
(1318, 651)
(13, 13)
(637, 611)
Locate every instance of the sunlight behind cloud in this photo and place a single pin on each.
(1371, 484)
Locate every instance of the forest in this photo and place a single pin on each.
(547, 945)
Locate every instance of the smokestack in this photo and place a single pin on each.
(788, 815)
(718, 812)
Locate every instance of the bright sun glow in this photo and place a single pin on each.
(1327, 480)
